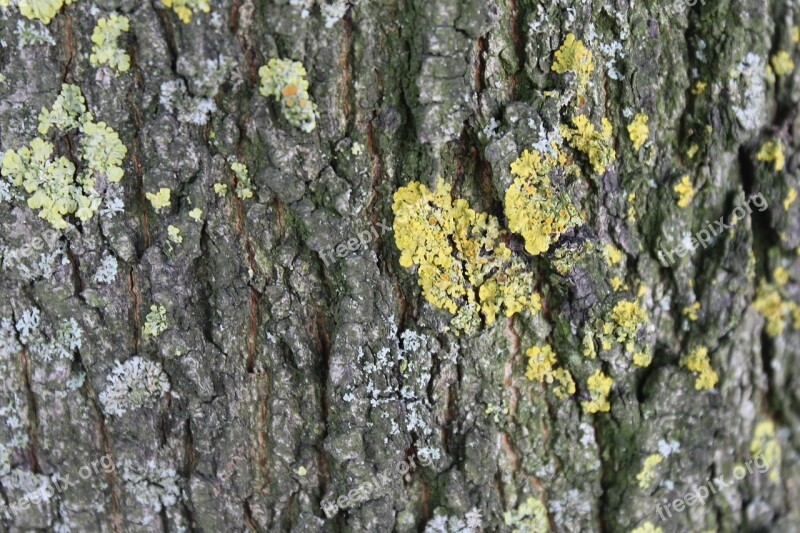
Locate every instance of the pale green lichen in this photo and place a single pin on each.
(105, 50)
(459, 253)
(196, 214)
(155, 322)
(648, 471)
(530, 516)
(43, 10)
(284, 80)
(647, 527)
(57, 188)
(243, 185)
(765, 444)
(160, 199)
(133, 384)
(174, 234)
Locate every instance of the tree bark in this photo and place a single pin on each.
(296, 377)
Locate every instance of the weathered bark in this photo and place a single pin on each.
(272, 354)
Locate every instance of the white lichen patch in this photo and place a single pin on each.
(133, 384)
(152, 485)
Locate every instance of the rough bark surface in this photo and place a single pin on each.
(293, 381)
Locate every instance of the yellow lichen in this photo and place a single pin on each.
(599, 386)
(185, 8)
(573, 57)
(698, 88)
(773, 307)
(220, 189)
(541, 362)
(692, 151)
(105, 50)
(624, 322)
(285, 80)
(684, 191)
(531, 516)
(159, 199)
(588, 349)
(791, 196)
(780, 275)
(648, 471)
(697, 361)
(43, 10)
(196, 214)
(647, 527)
(534, 209)
(782, 63)
(772, 150)
(612, 254)
(638, 130)
(596, 145)
(691, 311)
(459, 253)
(765, 444)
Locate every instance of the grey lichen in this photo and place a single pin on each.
(133, 384)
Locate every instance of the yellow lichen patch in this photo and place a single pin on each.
(691, 311)
(220, 189)
(185, 8)
(647, 527)
(612, 254)
(791, 196)
(642, 359)
(596, 145)
(772, 151)
(638, 130)
(795, 34)
(698, 88)
(773, 307)
(588, 349)
(782, 63)
(159, 199)
(624, 322)
(459, 253)
(599, 386)
(780, 275)
(531, 516)
(573, 57)
(105, 50)
(765, 444)
(631, 207)
(648, 471)
(541, 368)
(43, 10)
(684, 191)
(692, 151)
(196, 214)
(697, 361)
(617, 283)
(534, 209)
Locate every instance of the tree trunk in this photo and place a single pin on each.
(293, 373)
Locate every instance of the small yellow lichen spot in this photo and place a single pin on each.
(159, 199)
(692, 151)
(196, 214)
(617, 282)
(772, 150)
(565, 384)
(647, 527)
(638, 130)
(766, 445)
(221, 189)
(302, 471)
(791, 196)
(588, 346)
(698, 88)
(795, 34)
(684, 191)
(625, 320)
(782, 63)
(697, 361)
(648, 471)
(780, 275)
(185, 8)
(174, 234)
(612, 254)
(642, 359)
(529, 516)
(769, 303)
(691, 311)
(573, 57)
(596, 145)
(599, 385)
(631, 207)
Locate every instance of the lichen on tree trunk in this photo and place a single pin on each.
(296, 360)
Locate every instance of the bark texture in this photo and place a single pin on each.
(293, 379)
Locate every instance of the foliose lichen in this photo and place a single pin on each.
(105, 50)
(285, 80)
(185, 8)
(133, 384)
